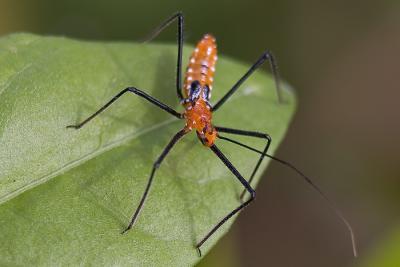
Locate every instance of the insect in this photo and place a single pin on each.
(195, 98)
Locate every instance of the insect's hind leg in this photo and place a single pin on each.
(250, 134)
(266, 56)
(331, 204)
(136, 92)
(166, 23)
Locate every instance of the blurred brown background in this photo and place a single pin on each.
(343, 59)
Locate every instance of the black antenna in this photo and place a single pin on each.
(337, 211)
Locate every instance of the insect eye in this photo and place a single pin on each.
(206, 92)
(194, 89)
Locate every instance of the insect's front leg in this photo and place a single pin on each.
(136, 92)
(266, 56)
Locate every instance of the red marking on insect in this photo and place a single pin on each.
(195, 96)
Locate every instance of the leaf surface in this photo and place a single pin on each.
(386, 252)
(66, 195)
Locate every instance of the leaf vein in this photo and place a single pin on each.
(85, 158)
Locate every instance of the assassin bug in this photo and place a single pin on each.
(195, 96)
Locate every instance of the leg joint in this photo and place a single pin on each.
(267, 136)
(131, 89)
(252, 194)
(267, 54)
(179, 14)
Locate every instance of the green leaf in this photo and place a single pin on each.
(66, 195)
(386, 253)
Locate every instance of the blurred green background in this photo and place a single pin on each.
(343, 59)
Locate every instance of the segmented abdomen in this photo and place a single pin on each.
(201, 64)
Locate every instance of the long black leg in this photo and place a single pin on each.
(137, 92)
(331, 204)
(156, 165)
(267, 55)
(242, 181)
(159, 29)
(251, 134)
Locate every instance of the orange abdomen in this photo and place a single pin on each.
(201, 64)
